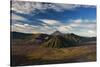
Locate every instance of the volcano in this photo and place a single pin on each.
(57, 33)
(60, 40)
(56, 42)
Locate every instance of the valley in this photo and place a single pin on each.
(40, 49)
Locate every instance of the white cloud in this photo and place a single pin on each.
(51, 22)
(48, 26)
(64, 29)
(88, 33)
(75, 22)
(27, 7)
(19, 25)
(92, 32)
(83, 27)
(26, 28)
(85, 23)
(22, 6)
(56, 25)
(16, 17)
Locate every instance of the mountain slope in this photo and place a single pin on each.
(19, 35)
(60, 40)
(55, 40)
(57, 33)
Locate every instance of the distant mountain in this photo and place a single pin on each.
(19, 35)
(80, 39)
(55, 40)
(26, 38)
(57, 33)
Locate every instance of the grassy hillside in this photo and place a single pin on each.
(39, 55)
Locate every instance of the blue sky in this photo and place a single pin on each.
(39, 17)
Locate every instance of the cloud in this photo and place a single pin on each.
(83, 23)
(91, 32)
(51, 22)
(19, 25)
(24, 20)
(16, 17)
(21, 6)
(77, 21)
(83, 27)
(26, 28)
(56, 25)
(64, 29)
(48, 26)
(88, 33)
(28, 7)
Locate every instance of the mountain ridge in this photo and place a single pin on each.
(55, 40)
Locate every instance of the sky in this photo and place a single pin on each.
(40, 17)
